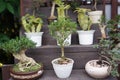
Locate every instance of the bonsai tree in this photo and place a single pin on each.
(109, 48)
(83, 19)
(62, 28)
(31, 23)
(17, 47)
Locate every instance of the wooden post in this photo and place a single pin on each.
(114, 8)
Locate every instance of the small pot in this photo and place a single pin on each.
(26, 75)
(35, 37)
(95, 16)
(63, 70)
(86, 37)
(96, 70)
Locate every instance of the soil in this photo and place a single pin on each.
(99, 64)
(63, 61)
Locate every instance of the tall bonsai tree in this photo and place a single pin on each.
(18, 47)
(62, 28)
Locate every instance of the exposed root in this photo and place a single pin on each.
(24, 61)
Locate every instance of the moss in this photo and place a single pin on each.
(31, 69)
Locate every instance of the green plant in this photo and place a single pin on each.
(61, 9)
(9, 17)
(83, 19)
(17, 47)
(31, 23)
(109, 49)
(62, 28)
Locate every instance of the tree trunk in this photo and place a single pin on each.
(24, 61)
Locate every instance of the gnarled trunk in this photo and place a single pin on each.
(24, 61)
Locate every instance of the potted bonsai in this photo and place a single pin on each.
(86, 34)
(95, 15)
(100, 68)
(26, 68)
(109, 49)
(32, 26)
(60, 30)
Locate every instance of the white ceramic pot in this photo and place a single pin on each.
(86, 37)
(95, 16)
(67, 42)
(62, 70)
(35, 37)
(97, 71)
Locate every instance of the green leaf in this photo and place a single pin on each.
(10, 8)
(2, 6)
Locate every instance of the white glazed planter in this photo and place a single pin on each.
(62, 70)
(86, 37)
(35, 37)
(97, 71)
(67, 42)
(95, 16)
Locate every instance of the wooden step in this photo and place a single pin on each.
(76, 75)
(80, 54)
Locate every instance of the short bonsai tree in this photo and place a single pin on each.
(18, 47)
(109, 47)
(62, 28)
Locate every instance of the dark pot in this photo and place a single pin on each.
(34, 75)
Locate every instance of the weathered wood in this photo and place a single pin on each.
(5, 72)
(76, 75)
(81, 54)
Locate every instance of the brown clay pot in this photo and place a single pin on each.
(34, 75)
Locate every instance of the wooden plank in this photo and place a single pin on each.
(76, 75)
(5, 72)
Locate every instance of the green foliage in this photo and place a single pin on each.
(3, 38)
(109, 49)
(32, 23)
(16, 45)
(83, 19)
(61, 29)
(109, 52)
(61, 9)
(11, 5)
(9, 14)
(32, 68)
